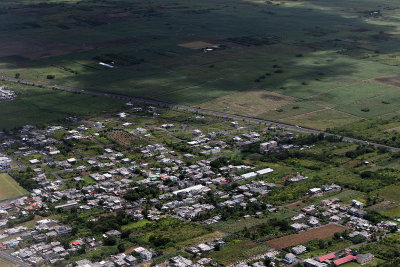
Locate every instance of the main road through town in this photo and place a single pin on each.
(198, 110)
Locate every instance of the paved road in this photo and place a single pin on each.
(198, 110)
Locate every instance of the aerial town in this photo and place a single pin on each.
(6, 94)
(181, 133)
(154, 186)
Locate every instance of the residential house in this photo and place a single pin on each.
(300, 249)
(314, 263)
(290, 258)
(364, 258)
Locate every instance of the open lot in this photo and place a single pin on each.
(234, 226)
(237, 250)
(9, 187)
(195, 45)
(322, 119)
(391, 212)
(249, 103)
(390, 193)
(316, 233)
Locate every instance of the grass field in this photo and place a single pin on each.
(348, 195)
(237, 250)
(179, 234)
(135, 225)
(390, 193)
(322, 119)
(36, 105)
(9, 187)
(391, 212)
(250, 102)
(234, 226)
(329, 65)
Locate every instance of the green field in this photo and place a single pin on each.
(176, 234)
(326, 66)
(41, 106)
(391, 212)
(383, 130)
(348, 195)
(135, 225)
(237, 250)
(9, 187)
(390, 193)
(234, 226)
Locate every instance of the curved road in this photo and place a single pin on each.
(198, 110)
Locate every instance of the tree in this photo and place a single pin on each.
(82, 249)
(110, 241)
(321, 244)
(358, 239)
(126, 233)
(337, 235)
(159, 241)
(121, 247)
(393, 229)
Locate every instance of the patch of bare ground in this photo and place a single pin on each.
(300, 238)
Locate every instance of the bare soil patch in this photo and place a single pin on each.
(130, 250)
(322, 119)
(196, 45)
(316, 233)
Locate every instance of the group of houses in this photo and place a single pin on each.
(188, 187)
(6, 94)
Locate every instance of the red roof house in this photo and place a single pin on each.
(344, 260)
(326, 257)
